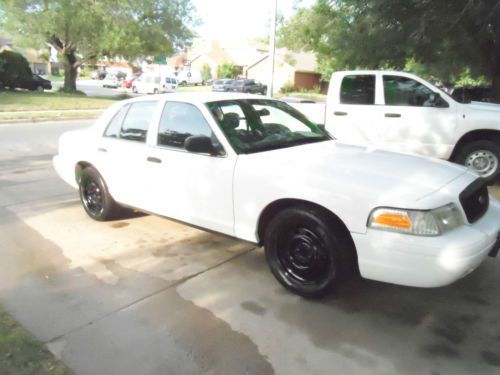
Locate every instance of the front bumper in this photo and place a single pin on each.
(427, 261)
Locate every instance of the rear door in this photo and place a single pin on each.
(353, 109)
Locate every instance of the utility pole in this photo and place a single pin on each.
(272, 48)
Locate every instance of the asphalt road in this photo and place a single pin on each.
(94, 88)
(145, 295)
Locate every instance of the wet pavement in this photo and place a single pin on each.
(145, 295)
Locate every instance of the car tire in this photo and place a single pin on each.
(308, 251)
(155, 91)
(95, 198)
(39, 88)
(134, 89)
(483, 157)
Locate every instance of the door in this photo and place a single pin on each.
(122, 152)
(191, 187)
(416, 119)
(352, 110)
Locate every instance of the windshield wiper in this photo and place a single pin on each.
(289, 143)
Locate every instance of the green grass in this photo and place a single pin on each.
(20, 101)
(194, 88)
(21, 354)
(303, 95)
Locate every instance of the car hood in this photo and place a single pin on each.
(384, 177)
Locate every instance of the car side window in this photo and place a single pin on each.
(113, 129)
(180, 121)
(136, 122)
(406, 92)
(358, 89)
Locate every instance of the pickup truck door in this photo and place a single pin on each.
(352, 112)
(415, 119)
(192, 187)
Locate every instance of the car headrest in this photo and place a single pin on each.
(231, 121)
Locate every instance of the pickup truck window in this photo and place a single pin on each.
(358, 89)
(406, 92)
(180, 121)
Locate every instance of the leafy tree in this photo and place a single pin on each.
(206, 73)
(14, 69)
(85, 30)
(445, 37)
(226, 70)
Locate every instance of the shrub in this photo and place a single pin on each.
(14, 69)
(287, 87)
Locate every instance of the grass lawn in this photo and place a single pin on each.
(21, 354)
(303, 95)
(46, 101)
(194, 88)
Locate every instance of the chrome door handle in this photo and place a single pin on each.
(392, 115)
(101, 149)
(336, 113)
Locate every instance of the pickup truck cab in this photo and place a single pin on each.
(401, 112)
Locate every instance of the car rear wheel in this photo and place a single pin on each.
(155, 91)
(483, 157)
(95, 198)
(307, 251)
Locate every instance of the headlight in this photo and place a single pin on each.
(420, 223)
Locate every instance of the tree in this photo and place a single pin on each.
(226, 70)
(447, 37)
(14, 69)
(206, 73)
(85, 30)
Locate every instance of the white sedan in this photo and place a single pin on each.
(257, 169)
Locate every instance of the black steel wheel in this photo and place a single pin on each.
(94, 195)
(307, 251)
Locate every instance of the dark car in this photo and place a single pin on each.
(222, 84)
(476, 94)
(36, 83)
(248, 85)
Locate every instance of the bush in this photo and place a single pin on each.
(287, 87)
(14, 69)
(206, 74)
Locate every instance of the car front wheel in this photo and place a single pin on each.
(307, 251)
(483, 157)
(94, 195)
(39, 88)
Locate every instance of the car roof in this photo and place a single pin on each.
(197, 97)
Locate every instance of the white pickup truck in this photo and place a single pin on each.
(401, 112)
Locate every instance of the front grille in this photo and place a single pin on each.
(475, 200)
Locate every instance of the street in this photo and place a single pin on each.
(93, 87)
(146, 295)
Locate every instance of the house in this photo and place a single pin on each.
(251, 59)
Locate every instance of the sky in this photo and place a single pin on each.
(239, 18)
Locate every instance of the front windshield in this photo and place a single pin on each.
(253, 125)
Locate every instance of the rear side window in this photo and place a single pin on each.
(358, 89)
(136, 122)
(131, 122)
(180, 121)
(113, 129)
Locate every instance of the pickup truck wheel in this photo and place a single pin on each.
(306, 251)
(96, 200)
(483, 157)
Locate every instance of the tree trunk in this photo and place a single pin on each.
(70, 72)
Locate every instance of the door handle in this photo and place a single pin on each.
(101, 149)
(393, 115)
(336, 113)
(153, 160)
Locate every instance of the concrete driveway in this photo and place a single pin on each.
(145, 295)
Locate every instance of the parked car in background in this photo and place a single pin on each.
(250, 86)
(36, 83)
(257, 169)
(472, 94)
(222, 84)
(98, 74)
(111, 82)
(154, 83)
(129, 81)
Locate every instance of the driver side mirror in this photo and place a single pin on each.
(200, 144)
